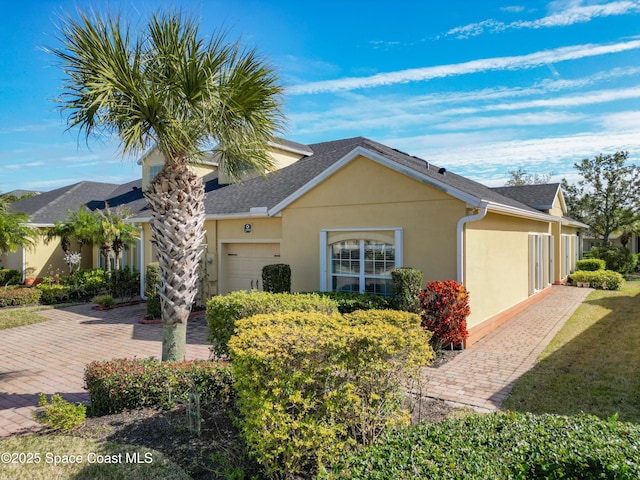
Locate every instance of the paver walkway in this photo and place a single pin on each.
(483, 375)
(50, 357)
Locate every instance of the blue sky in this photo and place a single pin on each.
(480, 88)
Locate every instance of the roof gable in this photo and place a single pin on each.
(540, 196)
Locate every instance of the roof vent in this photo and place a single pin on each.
(442, 171)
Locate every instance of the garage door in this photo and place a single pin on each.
(243, 264)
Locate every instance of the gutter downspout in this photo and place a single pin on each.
(460, 238)
(143, 270)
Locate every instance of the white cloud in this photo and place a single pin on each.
(566, 13)
(520, 62)
(522, 120)
(513, 9)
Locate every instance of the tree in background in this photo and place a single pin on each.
(607, 198)
(520, 177)
(81, 224)
(162, 85)
(14, 231)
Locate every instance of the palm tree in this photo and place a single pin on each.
(163, 85)
(14, 231)
(80, 224)
(115, 233)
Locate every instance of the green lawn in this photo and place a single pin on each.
(32, 457)
(592, 365)
(16, 317)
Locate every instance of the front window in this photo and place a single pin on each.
(362, 266)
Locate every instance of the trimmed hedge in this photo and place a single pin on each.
(15, 297)
(276, 278)
(224, 311)
(407, 283)
(590, 264)
(10, 277)
(600, 279)
(310, 386)
(126, 384)
(503, 445)
(152, 287)
(349, 302)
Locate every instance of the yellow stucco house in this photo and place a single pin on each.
(344, 213)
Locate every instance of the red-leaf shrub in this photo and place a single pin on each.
(444, 310)
(126, 384)
(15, 297)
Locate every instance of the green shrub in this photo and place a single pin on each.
(444, 310)
(223, 311)
(87, 283)
(276, 278)
(53, 293)
(310, 386)
(407, 283)
(60, 414)
(15, 297)
(618, 259)
(124, 283)
(152, 287)
(124, 384)
(106, 300)
(351, 301)
(590, 264)
(500, 446)
(10, 277)
(600, 279)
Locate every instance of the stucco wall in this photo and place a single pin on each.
(365, 194)
(497, 263)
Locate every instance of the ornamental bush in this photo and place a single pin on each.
(125, 384)
(59, 414)
(10, 277)
(503, 445)
(310, 386)
(224, 311)
(15, 297)
(407, 283)
(351, 301)
(53, 293)
(87, 283)
(618, 259)
(276, 278)
(152, 287)
(444, 311)
(600, 279)
(590, 264)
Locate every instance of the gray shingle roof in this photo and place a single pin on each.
(53, 206)
(260, 192)
(540, 196)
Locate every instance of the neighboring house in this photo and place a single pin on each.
(614, 239)
(45, 209)
(344, 213)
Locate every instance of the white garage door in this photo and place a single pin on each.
(243, 264)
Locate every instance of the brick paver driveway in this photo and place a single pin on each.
(50, 357)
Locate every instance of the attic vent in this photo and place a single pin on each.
(442, 171)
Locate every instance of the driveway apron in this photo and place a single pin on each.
(50, 357)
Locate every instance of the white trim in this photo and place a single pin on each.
(497, 207)
(323, 261)
(24, 264)
(143, 267)
(289, 148)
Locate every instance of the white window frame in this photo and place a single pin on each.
(358, 234)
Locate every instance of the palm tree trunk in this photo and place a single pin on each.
(176, 198)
